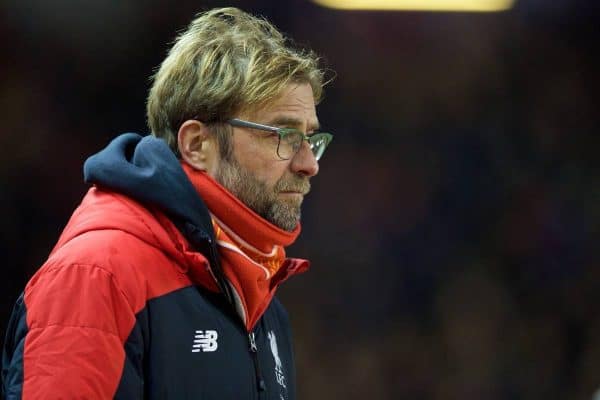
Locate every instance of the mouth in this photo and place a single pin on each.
(292, 193)
(293, 188)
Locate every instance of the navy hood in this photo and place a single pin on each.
(145, 169)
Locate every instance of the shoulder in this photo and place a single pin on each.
(112, 249)
(112, 260)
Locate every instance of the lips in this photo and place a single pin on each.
(303, 192)
(292, 193)
(293, 185)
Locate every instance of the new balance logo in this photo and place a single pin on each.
(205, 341)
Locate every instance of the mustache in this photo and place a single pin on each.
(293, 184)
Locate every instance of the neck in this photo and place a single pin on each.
(248, 227)
(251, 249)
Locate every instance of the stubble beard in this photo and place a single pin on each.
(265, 201)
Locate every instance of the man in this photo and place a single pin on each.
(162, 284)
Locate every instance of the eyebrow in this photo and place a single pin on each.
(293, 122)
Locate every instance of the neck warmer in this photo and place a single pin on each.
(251, 250)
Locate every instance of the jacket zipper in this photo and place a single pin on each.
(260, 382)
(222, 283)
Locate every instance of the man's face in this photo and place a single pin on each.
(254, 173)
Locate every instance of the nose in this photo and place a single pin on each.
(304, 162)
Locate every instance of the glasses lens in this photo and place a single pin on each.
(290, 141)
(318, 143)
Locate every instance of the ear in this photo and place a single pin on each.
(197, 146)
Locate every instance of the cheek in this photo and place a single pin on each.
(260, 162)
(269, 171)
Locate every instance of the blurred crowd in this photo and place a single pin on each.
(451, 229)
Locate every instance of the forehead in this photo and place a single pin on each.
(296, 103)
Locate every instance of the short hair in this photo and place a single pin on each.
(226, 62)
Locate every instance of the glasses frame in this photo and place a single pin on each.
(283, 132)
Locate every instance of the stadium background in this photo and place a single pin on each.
(452, 226)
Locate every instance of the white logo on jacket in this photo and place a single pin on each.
(205, 341)
(278, 367)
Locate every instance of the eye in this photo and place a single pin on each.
(267, 135)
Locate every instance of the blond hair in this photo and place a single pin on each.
(226, 62)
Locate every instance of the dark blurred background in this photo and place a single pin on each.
(452, 226)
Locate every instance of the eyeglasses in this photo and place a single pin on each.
(290, 139)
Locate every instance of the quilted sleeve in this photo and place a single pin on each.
(77, 321)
